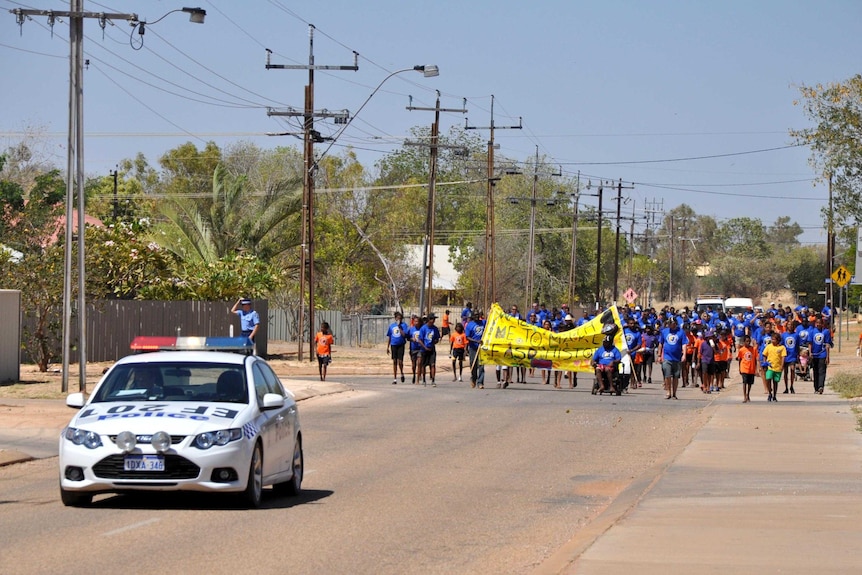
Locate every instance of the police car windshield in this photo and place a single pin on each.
(195, 382)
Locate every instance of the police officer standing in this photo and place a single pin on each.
(249, 320)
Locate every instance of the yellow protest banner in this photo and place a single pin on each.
(514, 342)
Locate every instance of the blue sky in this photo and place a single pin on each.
(604, 87)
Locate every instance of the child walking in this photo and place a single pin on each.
(774, 354)
(747, 358)
(457, 349)
(324, 340)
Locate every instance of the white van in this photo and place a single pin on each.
(716, 302)
(735, 305)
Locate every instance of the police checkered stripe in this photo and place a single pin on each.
(249, 430)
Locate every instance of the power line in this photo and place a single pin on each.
(686, 159)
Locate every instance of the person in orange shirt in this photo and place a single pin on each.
(324, 341)
(688, 357)
(747, 358)
(445, 327)
(457, 349)
(722, 357)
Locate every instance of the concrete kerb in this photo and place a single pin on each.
(25, 417)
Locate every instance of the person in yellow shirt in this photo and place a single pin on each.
(774, 354)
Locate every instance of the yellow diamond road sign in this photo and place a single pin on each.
(841, 276)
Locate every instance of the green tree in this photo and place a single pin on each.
(35, 230)
(835, 140)
(232, 219)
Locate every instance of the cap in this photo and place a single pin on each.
(637, 308)
(569, 317)
(245, 301)
(431, 316)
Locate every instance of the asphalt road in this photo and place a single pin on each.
(399, 479)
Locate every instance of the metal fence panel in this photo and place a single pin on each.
(10, 335)
(112, 324)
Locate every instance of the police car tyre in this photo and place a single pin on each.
(72, 499)
(294, 485)
(253, 493)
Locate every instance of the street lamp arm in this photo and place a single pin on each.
(196, 15)
(428, 71)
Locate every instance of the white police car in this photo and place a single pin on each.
(183, 419)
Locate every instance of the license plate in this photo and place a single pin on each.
(144, 463)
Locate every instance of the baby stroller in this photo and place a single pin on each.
(803, 369)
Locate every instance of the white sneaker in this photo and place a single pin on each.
(459, 379)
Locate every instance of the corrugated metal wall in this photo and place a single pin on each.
(112, 324)
(10, 335)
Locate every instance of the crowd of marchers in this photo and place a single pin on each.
(776, 345)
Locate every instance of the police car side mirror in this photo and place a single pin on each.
(75, 400)
(272, 401)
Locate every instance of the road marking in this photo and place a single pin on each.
(130, 527)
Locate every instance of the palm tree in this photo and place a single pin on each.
(230, 221)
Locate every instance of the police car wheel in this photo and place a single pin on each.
(254, 488)
(73, 499)
(294, 485)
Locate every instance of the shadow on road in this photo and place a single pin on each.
(207, 501)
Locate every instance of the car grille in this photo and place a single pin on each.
(176, 467)
(149, 438)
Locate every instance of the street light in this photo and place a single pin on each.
(429, 71)
(75, 160)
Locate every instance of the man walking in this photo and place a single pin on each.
(821, 343)
(396, 338)
(474, 330)
(429, 335)
(670, 350)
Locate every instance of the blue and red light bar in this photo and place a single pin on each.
(168, 343)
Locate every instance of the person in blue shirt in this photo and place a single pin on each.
(429, 335)
(739, 328)
(413, 338)
(466, 312)
(249, 320)
(605, 362)
(671, 341)
(632, 335)
(826, 314)
(396, 337)
(791, 343)
(821, 344)
(474, 330)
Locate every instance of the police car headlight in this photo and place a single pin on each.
(88, 439)
(161, 441)
(221, 437)
(126, 441)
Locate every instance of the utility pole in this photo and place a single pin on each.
(573, 264)
(617, 248)
(75, 162)
(830, 252)
(425, 299)
(489, 274)
(530, 253)
(651, 211)
(599, 249)
(309, 139)
(632, 246)
(113, 174)
(670, 260)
